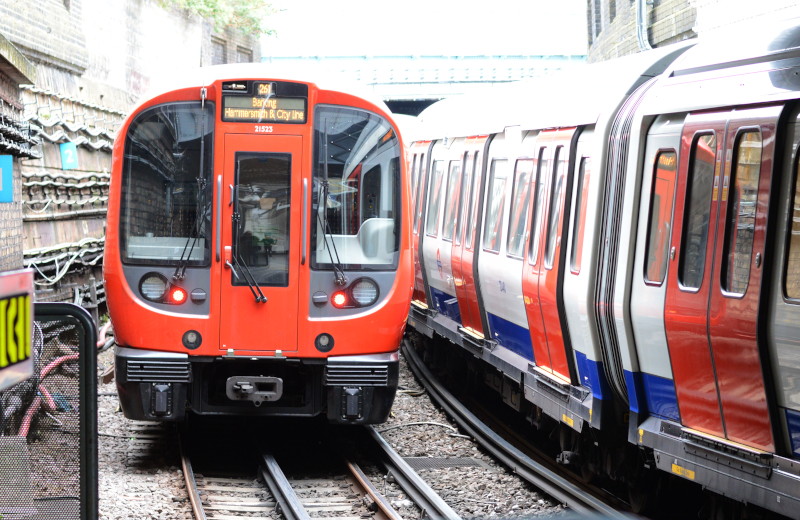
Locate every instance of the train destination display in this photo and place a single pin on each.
(263, 109)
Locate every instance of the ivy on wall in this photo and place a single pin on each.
(247, 16)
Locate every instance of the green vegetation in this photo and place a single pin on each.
(247, 16)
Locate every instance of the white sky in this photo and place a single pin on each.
(426, 27)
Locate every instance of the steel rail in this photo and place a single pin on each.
(191, 484)
(386, 509)
(281, 489)
(540, 476)
(420, 492)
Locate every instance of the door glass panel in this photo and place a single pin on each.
(538, 206)
(451, 201)
(556, 201)
(495, 206)
(463, 198)
(261, 235)
(660, 219)
(793, 262)
(740, 225)
(472, 216)
(519, 207)
(579, 226)
(434, 198)
(698, 208)
(419, 173)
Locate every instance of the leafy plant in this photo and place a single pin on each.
(247, 16)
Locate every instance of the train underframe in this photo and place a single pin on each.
(647, 458)
(164, 386)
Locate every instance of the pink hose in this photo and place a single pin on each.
(37, 402)
(101, 336)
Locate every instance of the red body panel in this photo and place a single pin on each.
(540, 274)
(243, 320)
(419, 152)
(463, 256)
(719, 381)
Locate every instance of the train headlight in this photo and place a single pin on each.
(153, 286)
(365, 292)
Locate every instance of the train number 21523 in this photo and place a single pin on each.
(264, 129)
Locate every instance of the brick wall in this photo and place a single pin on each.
(612, 23)
(93, 60)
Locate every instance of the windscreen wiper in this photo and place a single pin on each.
(200, 198)
(239, 262)
(338, 273)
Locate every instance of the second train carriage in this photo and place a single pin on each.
(620, 248)
(258, 250)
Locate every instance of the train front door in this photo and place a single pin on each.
(260, 230)
(716, 271)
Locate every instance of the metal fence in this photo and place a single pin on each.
(48, 424)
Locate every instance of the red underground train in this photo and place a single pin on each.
(258, 254)
(616, 251)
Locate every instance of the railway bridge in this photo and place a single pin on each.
(410, 83)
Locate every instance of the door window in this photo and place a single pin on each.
(698, 208)
(660, 219)
(262, 217)
(741, 221)
(495, 206)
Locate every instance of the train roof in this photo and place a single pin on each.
(568, 98)
(752, 63)
(205, 76)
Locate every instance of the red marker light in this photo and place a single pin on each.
(177, 295)
(339, 299)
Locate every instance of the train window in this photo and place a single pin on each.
(356, 190)
(434, 199)
(792, 287)
(662, 199)
(741, 216)
(697, 209)
(166, 186)
(414, 185)
(463, 198)
(495, 204)
(261, 233)
(579, 226)
(472, 216)
(556, 202)
(543, 164)
(519, 207)
(451, 201)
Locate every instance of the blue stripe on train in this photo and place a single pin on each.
(446, 304)
(793, 424)
(511, 336)
(657, 394)
(591, 375)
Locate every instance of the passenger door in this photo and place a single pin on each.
(714, 289)
(260, 237)
(463, 256)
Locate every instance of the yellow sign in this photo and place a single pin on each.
(683, 472)
(16, 326)
(15, 330)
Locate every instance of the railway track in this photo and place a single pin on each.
(330, 483)
(538, 474)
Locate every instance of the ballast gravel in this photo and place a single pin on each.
(140, 475)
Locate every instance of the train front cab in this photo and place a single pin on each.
(247, 291)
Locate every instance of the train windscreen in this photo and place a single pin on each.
(166, 187)
(356, 191)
